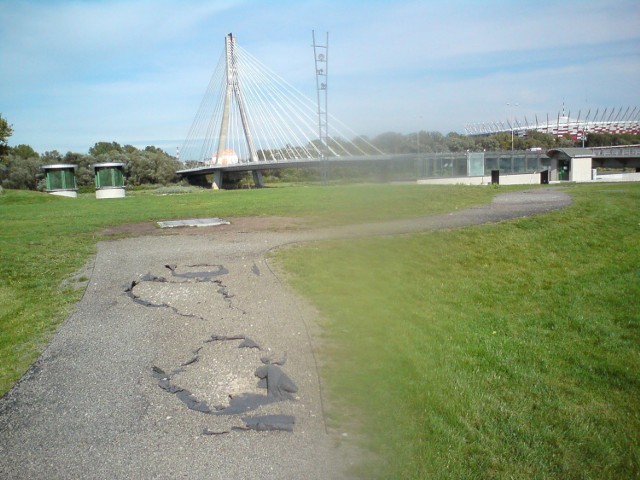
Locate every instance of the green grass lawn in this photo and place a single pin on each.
(502, 351)
(508, 351)
(44, 239)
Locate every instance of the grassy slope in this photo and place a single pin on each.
(504, 351)
(43, 239)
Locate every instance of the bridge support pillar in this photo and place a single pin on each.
(258, 181)
(217, 180)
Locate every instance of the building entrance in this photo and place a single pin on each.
(564, 169)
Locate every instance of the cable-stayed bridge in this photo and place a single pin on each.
(251, 118)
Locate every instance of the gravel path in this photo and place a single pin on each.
(154, 373)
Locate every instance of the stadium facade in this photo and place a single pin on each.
(607, 121)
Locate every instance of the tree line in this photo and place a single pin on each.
(20, 166)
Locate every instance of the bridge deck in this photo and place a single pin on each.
(289, 163)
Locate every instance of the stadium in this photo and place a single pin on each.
(577, 128)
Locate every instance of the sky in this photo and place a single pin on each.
(73, 73)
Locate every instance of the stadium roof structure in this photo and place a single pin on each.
(609, 121)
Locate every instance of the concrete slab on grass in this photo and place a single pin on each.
(193, 222)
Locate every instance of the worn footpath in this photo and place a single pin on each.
(187, 357)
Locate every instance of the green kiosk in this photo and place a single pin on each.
(109, 180)
(61, 179)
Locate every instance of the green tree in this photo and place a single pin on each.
(609, 139)
(141, 168)
(166, 168)
(363, 143)
(392, 142)
(84, 172)
(6, 131)
(459, 143)
(153, 149)
(432, 142)
(21, 173)
(152, 166)
(535, 139)
(489, 143)
(51, 157)
(24, 151)
(504, 140)
(564, 142)
(101, 148)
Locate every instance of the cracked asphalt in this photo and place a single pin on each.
(206, 315)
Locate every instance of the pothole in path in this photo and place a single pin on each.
(187, 291)
(185, 299)
(227, 375)
(222, 371)
(220, 378)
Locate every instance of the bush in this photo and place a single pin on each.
(20, 173)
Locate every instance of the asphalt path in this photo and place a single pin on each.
(161, 369)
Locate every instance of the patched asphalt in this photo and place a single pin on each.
(187, 357)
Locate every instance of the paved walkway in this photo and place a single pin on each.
(154, 373)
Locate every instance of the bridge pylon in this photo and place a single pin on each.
(233, 91)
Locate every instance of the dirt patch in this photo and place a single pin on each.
(237, 225)
(130, 229)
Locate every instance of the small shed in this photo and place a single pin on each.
(61, 179)
(571, 164)
(109, 180)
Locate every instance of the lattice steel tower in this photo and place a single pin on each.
(321, 55)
